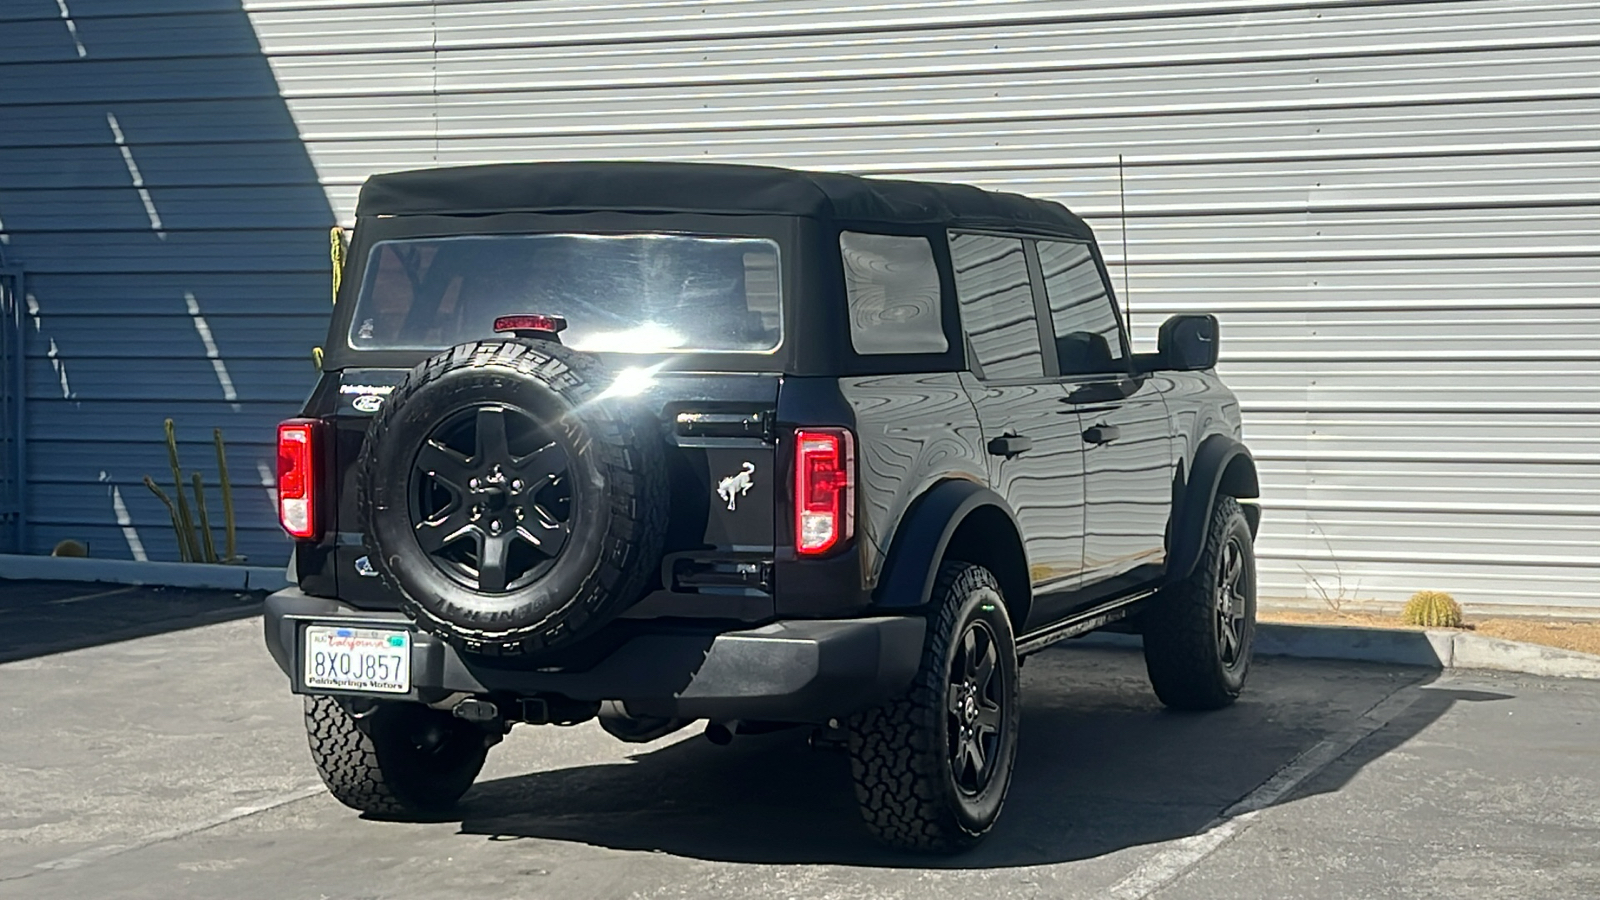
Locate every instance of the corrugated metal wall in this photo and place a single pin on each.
(1390, 204)
(174, 236)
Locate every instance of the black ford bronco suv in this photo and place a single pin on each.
(656, 443)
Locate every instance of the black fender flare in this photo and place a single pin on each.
(923, 539)
(1222, 465)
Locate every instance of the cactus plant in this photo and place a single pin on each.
(230, 547)
(187, 544)
(1432, 609)
(206, 542)
(193, 529)
(177, 524)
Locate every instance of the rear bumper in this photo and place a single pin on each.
(806, 670)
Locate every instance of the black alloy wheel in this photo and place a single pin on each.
(491, 498)
(975, 701)
(1232, 604)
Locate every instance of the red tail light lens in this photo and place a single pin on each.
(824, 490)
(548, 324)
(297, 478)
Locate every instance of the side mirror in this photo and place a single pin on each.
(1188, 343)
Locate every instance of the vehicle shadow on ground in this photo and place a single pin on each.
(1102, 767)
(38, 618)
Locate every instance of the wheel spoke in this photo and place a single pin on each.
(438, 531)
(963, 760)
(983, 672)
(1232, 563)
(493, 446)
(444, 465)
(492, 562)
(988, 718)
(980, 765)
(548, 537)
(1230, 639)
(542, 466)
(547, 519)
(952, 704)
(969, 653)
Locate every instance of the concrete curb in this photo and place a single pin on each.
(127, 571)
(1435, 649)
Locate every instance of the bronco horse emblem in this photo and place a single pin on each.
(735, 486)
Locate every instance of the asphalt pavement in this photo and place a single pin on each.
(161, 756)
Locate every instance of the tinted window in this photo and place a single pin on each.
(645, 293)
(893, 287)
(996, 302)
(1088, 340)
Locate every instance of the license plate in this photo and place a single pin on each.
(358, 659)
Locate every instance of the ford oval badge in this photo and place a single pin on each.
(367, 403)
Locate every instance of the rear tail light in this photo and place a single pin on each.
(824, 489)
(297, 478)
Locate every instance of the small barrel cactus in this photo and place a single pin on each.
(1432, 609)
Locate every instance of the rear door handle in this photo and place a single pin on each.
(1009, 445)
(1102, 434)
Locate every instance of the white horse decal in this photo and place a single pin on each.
(735, 486)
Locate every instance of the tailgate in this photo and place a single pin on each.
(361, 393)
(721, 454)
(720, 457)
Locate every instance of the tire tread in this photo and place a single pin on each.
(897, 769)
(347, 759)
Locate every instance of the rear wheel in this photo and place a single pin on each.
(394, 760)
(1199, 633)
(932, 767)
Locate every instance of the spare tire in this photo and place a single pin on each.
(510, 503)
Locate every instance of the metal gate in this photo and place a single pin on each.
(13, 450)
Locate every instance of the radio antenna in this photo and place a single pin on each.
(1122, 200)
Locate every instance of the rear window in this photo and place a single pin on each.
(636, 293)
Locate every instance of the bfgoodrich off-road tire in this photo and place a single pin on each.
(1198, 635)
(394, 760)
(509, 502)
(919, 785)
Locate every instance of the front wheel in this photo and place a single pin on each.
(1199, 633)
(933, 766)
(394, 760)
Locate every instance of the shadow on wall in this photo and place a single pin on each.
(156, 191)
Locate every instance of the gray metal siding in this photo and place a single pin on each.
(1390, 204)
(173, 232)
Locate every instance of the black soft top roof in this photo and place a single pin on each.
(706, 188)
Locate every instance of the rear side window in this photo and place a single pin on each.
(893, 287)
(1088, 339)
(996, 300)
